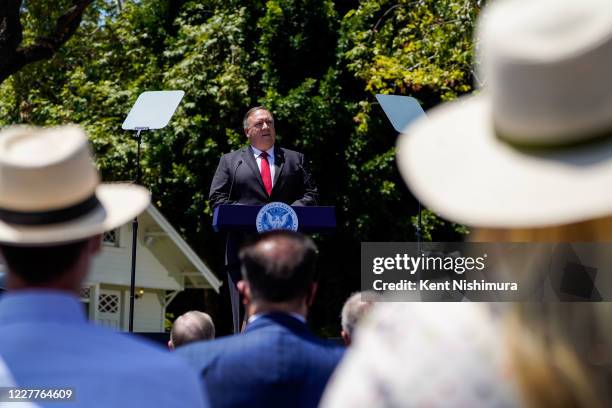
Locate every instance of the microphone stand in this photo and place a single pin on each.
(229, 197)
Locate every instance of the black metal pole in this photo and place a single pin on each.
(134, 241)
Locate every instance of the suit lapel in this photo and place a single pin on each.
(279, 163)
(249, 158)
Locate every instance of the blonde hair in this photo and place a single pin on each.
(547, 339)
(546, 367)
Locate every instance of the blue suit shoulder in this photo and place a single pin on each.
(272, 335)
(276, 362)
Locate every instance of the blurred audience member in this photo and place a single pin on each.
(276, 361)
(354, 309)
(189, 327)
(527, 159)
(52, 214)
(426, 355)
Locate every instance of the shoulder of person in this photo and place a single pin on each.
(126, 344)
(169, 379)
(140, 354)
(330, 346)
(234, 153)
(201, 352)
(289, 152)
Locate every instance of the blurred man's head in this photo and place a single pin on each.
(189, 327)
(61, 266)
(354, 309)
(278, 268)
(53, 208)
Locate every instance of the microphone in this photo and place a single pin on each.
(307, 180)
(305, 173)
(229, 197)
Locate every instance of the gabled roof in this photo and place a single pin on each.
(194, 270)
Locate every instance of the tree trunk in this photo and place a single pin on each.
(13, 57)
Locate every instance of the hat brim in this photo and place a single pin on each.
(118, 204)
(455, 164)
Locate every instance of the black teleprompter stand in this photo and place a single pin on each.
(152, 110)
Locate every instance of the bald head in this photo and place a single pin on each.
(191, 326)
(353, 311)
(279, 265)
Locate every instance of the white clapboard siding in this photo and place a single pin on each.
(112, 265)
(147, 313)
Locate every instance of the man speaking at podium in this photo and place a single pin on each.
(258, 174)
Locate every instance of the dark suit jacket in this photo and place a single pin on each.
(238, 172)
(276, 362)
(238, 181)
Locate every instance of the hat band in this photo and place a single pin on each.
(571, 141)
(49, 217)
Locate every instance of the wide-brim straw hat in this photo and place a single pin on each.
(534, 147)
(50, 191)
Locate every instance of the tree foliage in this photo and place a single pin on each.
(315, 63)
(44, 28)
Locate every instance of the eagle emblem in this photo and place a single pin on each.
(275, 216)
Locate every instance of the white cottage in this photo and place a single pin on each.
(165, 265)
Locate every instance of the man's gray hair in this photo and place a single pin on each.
(355, 308)
(192, 326)
(251, 111)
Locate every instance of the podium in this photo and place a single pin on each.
(239, 220)
(237, 217)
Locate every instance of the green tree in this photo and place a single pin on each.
(32, 31)
(317, 64)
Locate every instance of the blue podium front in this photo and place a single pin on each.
(236, 217)
(240, 220)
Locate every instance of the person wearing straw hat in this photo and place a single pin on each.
(529, 158)
(53, 211)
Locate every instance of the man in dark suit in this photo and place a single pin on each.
(258, 174)
(276, 361)
(262, 172)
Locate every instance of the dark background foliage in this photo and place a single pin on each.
(316, 64)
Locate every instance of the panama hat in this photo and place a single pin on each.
(50, 191)
(534, 147)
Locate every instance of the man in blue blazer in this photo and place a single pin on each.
(277, 361)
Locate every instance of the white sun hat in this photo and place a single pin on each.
(50, 192)
(534, 148)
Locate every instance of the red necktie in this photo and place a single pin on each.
(265, 172)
